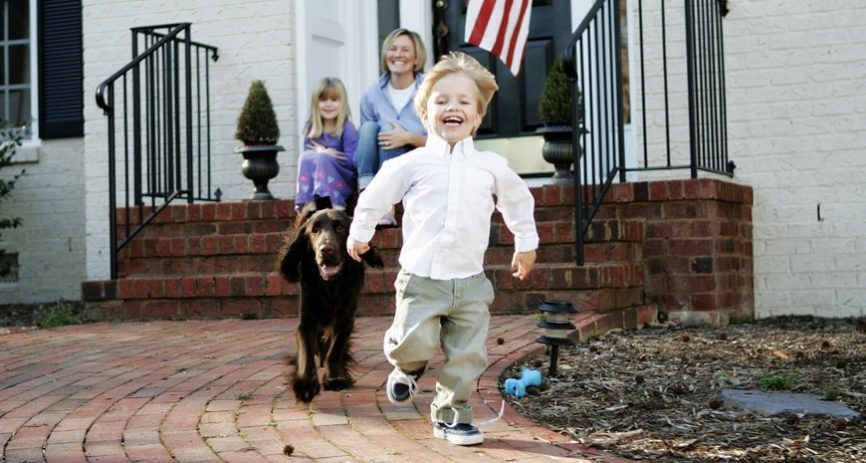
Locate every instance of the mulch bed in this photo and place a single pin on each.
(655, 394)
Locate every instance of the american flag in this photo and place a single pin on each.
(500, 27)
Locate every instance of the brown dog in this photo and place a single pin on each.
(330, 284)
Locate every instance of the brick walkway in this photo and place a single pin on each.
(199, 391)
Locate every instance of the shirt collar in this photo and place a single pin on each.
(439, 146)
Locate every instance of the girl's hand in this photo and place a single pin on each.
(313, 146)
(522, 264)
(394, 138)
(356, 248)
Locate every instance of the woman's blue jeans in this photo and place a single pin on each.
(370, 156)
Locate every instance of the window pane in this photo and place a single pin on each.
(2, 21)
(19, 19)
(3, 116)
(389, 18)
(19, 64)
(19, 107)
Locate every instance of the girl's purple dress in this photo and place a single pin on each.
(323, 175)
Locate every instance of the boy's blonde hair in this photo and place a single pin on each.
(452, 63)
(420, 51)
(327, 87)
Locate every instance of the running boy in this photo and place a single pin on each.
(447, 189)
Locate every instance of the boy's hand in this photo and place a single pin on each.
(522, 264)
(356, 248)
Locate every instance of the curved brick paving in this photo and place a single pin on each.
(201, 391)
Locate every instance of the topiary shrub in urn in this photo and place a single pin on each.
(554, 109)
(258, 130)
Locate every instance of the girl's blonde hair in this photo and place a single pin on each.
(452, 63)
(420, 51)
(327, 87)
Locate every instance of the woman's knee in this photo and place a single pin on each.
(368, 131)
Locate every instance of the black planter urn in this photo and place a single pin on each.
(557, 151)
(260, 165)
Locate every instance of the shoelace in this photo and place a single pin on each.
(481, 424)
(408, 380)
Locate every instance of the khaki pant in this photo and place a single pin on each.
(453, 315)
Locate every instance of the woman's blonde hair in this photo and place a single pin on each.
(327, 87)
(420, 51)
(453, 63)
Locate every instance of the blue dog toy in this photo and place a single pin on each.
(517, 387)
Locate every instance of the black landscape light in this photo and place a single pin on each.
(556, 326)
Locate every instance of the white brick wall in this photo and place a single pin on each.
(796, 106)
(796, 74)
(255, 41)
(49, 198)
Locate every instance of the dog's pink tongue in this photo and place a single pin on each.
(330, 270)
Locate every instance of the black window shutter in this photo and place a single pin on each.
(61, 78)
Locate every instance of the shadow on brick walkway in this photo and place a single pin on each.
(202, 391)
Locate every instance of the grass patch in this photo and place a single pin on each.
(744, 320)
(61, 313)
(775, 382)
(832, 393)
(244, 396)
(249, 316)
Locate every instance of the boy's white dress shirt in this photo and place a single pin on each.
(447, 202)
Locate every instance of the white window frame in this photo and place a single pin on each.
(34, 140)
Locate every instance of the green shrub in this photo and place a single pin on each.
(60, 313)
(744, 320)
(775, 382)
(257, 123)
(832, 392)
(554, 105)
(10, 140)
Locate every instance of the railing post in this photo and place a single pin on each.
(189, 176)
(136, 126)
(690, 65)
(112, 186)
(618, 87)
(169, 119)
(569, 63)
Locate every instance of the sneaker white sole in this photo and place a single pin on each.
(474, 439)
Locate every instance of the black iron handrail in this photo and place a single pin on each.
(170, 140)
(593, 63)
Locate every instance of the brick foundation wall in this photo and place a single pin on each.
(698, 246)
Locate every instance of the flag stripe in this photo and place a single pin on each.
(503, 29)
(517, 36)
(480, 24)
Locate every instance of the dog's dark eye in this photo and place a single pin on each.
(315, 229)
(340, 228)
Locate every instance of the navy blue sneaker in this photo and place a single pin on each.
(401, 386)
(459, 434)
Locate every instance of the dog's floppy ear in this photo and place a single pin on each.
(293, 250)
(373, 258)
(291, 255)
(304, 215)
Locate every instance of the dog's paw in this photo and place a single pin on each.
(338, 383)
(306, 389)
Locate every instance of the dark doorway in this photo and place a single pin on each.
(513, 112)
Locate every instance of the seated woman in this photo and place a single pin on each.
(389, 124)
(326, 168)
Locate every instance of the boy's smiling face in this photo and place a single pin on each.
(452, 109)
